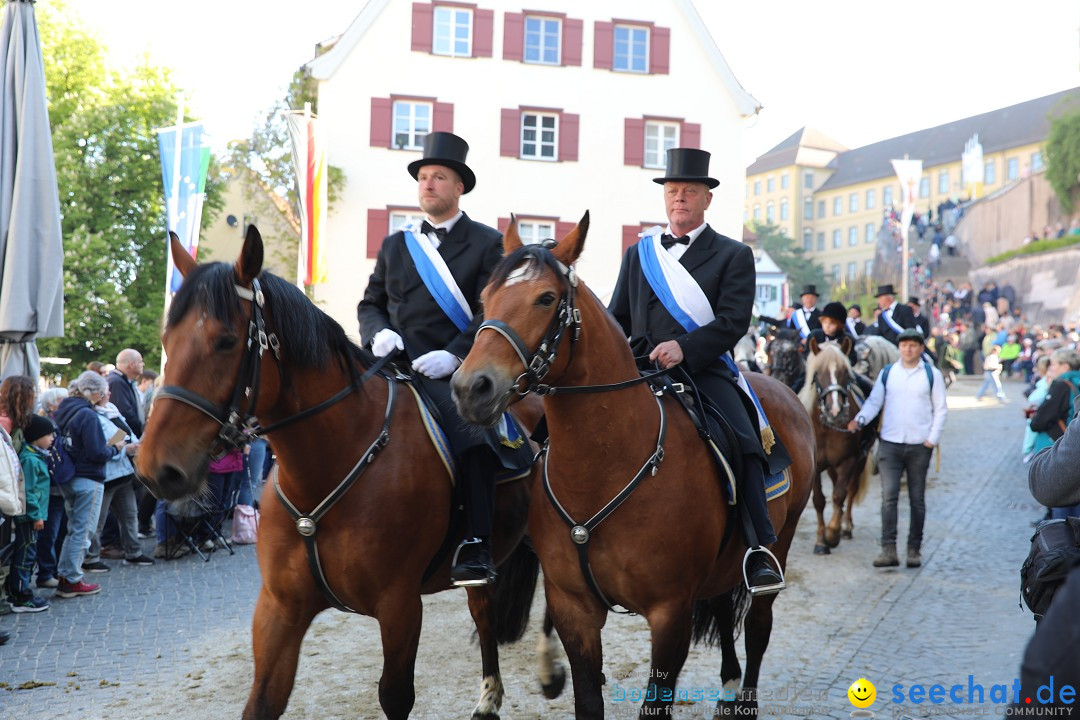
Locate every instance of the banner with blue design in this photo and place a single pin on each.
(184, 164)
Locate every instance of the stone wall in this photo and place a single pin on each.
(1046, 284)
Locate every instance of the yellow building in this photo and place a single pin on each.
(832, 200)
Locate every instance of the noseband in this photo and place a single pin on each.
(840, 421)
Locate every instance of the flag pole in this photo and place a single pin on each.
(174, 201)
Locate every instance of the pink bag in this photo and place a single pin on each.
(245, 525)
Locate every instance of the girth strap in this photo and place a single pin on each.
(307, 525)
(580, 534)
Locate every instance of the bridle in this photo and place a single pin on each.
(840, 421)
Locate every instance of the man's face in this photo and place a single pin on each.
(808, 300)
(132, 366)
(686, 203)
(854, 314)
(831, 326)
(910, 350)
(884, 301)
(439, 190)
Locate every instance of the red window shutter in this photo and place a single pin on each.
(634, 142)
(660, 51)
(382, 121)
(378, 222)
(423, 22)
(510, 138)
(502, 224)
(568, 137)
(513, 36)
(690, 135)
(572, 33)
(562, 229)
(483, 32)
(629, 235)
(443, 118)
(603, 45)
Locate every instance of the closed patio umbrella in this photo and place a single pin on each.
(31, 251)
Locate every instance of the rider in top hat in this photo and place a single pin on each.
(806, 317)
(922, 323)
(833, 329)
(715, 276)
(894, 318)
(400, 312)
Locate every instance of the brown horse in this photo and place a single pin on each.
(830, 399)
(238, 334)
(786, 362)
(669, 551)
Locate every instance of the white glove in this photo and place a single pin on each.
(436, 364)
(385, 342)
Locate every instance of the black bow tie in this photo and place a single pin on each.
(427, 227)
(669, 240)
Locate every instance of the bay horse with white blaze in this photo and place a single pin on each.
(363, 517)
(661, 541)
(830, 398)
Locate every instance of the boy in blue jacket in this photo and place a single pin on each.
(38, 439)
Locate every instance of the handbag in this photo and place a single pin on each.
(245, 528)
(12, 483)
(1055, 550)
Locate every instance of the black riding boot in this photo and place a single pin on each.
(472, 563)
(760, 567)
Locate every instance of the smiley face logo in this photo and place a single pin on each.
(862, 693)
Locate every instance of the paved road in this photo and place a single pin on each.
(173, 640)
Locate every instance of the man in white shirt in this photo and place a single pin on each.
(910, 395)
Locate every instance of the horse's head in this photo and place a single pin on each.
(206, 340)
(829, 379)
(785, 358)
(529, 311)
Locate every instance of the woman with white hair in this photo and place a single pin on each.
(89, 452)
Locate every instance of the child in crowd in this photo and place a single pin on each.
(992, 375)
(38, 438)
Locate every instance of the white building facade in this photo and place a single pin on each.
(566, 106)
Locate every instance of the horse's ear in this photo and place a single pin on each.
(511, 239)
(250, 263)
(181, 259)
(846, 346)
(814, 346)
(569, 248)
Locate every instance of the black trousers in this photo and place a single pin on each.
(478, 468)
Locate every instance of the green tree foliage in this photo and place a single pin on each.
(111, 198)
(1063, 157)
(792, 258)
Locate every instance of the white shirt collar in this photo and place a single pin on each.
(679, 250)
(448, 224)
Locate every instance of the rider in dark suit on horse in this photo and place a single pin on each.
(895, 317)
(723, 268)
(400, 314)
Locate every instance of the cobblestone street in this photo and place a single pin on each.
(173, 640)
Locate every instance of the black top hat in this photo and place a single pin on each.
(913, 300)
(809, 290)
(687, 165)
(884, 290)
(443, 148)
(835, 311)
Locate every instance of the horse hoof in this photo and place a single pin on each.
(832, 539)
(485, 716)
(846, 534)
(822, 550)
(554, 688)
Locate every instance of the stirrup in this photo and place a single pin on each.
(472, 582)
(756, 590)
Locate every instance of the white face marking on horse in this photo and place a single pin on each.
(525, 272)
(835, 396)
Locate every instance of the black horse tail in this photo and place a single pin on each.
(514, 592)
(721, 616)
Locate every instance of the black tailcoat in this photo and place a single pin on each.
(902, 316)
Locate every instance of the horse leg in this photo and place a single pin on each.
(820, 548)
(832, 531)
(400, 617)
(276, 636)
(482, 607)
(579, 621)
(724, 621)
(758, 629)
(855, 469)
(670, 627)
(552, 672)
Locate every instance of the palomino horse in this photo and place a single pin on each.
(786, 362)
(358, 474)
(830, 399)
(661, 541)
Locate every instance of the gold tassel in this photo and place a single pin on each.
(513, 444)
(768, 439)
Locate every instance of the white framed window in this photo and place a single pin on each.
(836, 273)
(783, 208)
(989, 172)
(1012, 168)
(853, 202)
(836, 238)
(401, 218)
(808, 209)
(837, 205)
(766, 293)
(821, 241)
(631, 49)
(770, 184)
(757, 187)
(543, 40)
(851, 271)
(871, 199)
(924, 187)
(539, 136)
(770, 212)
(821, 209)
(452, 32)
(783, 181)
(1036, 161)
(808, 240)
(943, 182)
(869, 269)
(757, 212)
(412, 122)
(808, 181)
(871, 236)
(886, 195)
(853, 235)
(659, 138)
(533, 231)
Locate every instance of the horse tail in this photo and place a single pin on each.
(514, 592)
(721, 616)
(862, 480)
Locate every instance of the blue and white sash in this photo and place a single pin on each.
(850, 322)
(801, 323)
(437, 277)
(681, 296)
(887, 315)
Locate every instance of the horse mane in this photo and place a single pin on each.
(536, 253)
(829, 355)
(309, 338)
